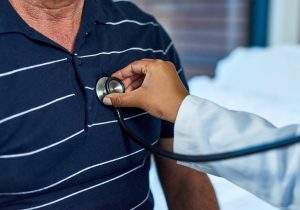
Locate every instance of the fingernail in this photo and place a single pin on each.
(107, 101)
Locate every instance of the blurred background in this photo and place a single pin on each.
(241, 54)
(205, 31)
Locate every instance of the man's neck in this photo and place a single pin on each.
(49, 10)
(59, 20)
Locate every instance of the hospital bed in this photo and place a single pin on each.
(265, 81)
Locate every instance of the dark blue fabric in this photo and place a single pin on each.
(59, 147)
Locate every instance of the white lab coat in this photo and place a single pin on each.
(203, 127)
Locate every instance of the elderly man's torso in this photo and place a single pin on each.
(59, 147)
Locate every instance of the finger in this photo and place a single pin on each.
(128, 81)
(134, 85)
(131, 99)
(136, 68)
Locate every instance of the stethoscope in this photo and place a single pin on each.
(107, 85)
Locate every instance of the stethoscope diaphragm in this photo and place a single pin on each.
(107, 85)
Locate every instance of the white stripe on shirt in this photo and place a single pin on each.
(115, 121)
(64, 140)
(116, 1)
(147, 197)
(89, 88)
(87, 189)
(132, 21)
(71, 176)
(130, 49)
(75, 174)
(31, 67)
(35, 108)
(168, 48)
(41, 149)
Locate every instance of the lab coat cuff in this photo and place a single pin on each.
(184, 126)
(185, 129)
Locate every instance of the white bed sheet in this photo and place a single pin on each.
(277, 110)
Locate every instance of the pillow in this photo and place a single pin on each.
(268, 71)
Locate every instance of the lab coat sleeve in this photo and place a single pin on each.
(203, 127)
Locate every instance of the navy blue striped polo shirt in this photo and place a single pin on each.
(59, 147)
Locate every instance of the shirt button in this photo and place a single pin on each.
(78, 61)
(90, 108)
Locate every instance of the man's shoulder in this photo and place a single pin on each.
(128, 10)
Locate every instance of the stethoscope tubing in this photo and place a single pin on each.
(203, 158)
(195, 158)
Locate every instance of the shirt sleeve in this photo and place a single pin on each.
(167, 129)
(203, 127)
(170, 54)
(167, 51)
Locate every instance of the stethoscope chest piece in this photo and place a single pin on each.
(107, 85)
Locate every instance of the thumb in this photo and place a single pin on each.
(129, 99)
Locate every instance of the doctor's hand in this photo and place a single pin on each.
(151, 85)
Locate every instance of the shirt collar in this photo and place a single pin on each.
(10, 21)
(97, 10)
(106, 11)
(94, 11)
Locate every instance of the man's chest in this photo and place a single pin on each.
(59, 147)
(50, 113)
